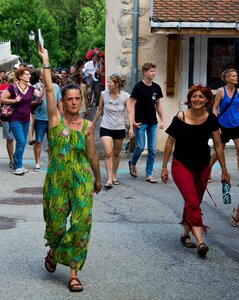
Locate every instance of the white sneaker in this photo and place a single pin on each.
(37, 168)
(25, 170)
(19, 171)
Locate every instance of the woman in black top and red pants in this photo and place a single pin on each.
(190, 131)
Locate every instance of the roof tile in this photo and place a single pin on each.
(195, 10)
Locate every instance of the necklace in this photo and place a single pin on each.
(73, 120)
(23, 89)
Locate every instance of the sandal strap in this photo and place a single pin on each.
(184, 237)
(76, 279)
(70, 285)
(200, 245)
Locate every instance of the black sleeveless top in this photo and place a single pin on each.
(191, 145)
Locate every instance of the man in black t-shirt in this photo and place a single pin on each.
(145, 99)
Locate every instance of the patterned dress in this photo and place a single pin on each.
(68, 190)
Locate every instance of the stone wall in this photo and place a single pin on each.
(151, 47)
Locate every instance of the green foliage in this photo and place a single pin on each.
(69, 27)
(91, 22)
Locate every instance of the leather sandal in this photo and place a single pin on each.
(75, 287)
(49, 265)
(187, 244)
(202, 249)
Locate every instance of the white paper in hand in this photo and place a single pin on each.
(41, 41)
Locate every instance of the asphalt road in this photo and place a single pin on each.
(134, 251)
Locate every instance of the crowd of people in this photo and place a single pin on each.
(56, 104)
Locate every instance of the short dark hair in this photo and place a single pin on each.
(70, 86)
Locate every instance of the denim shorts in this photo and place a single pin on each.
(6, 132)
(41, 128)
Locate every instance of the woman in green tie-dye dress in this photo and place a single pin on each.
(68, 188)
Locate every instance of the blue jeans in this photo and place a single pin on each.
(20, 132)
(151, 131)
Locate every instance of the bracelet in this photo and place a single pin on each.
(46, 66)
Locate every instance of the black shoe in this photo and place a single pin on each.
(187, 244)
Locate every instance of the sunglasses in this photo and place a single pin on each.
(200, 84)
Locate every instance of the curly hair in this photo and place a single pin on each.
(147, 66)
(205, 90)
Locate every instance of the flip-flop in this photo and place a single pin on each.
(132, 173)
(151, 180)
(108, 186)
(116, 182)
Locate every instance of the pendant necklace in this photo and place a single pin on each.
(23, 89)
(73, 121)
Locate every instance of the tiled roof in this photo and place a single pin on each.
(226, 11)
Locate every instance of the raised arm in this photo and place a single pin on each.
(52, 110)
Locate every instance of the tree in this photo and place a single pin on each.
(69, 27)
(91, 23)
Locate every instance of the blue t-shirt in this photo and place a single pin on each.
(40, 112)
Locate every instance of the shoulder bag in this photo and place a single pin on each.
(6, 110)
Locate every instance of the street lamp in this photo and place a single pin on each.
(32, 39)
(17, 31)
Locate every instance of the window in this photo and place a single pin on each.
(223, 53)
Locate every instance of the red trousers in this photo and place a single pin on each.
(192, 187)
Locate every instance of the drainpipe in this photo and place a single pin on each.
(134, 78)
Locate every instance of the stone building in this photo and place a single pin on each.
(190, 41)
(7, 60)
